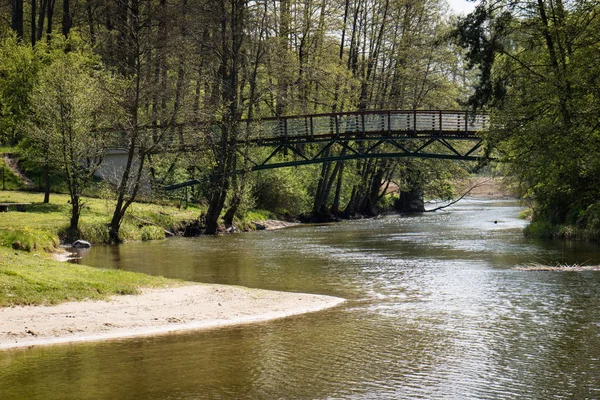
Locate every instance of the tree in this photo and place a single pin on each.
(18, 69)
(69, 108)
(539, 75)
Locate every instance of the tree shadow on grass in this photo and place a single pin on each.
(47, 208)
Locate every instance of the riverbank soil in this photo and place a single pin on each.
(155, 311)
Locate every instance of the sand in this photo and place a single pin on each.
(153, 312)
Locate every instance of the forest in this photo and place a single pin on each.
(174, 83)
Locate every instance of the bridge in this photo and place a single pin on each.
(318, 138)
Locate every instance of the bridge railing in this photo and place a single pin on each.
(373, 122)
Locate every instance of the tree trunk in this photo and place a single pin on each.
(33, 26)
(41, 18)
(46, 184)
(75, 214)
(67, 20)
(17, 17)
(231, 34)
(91, 23)
(50, 15)
(335, 206)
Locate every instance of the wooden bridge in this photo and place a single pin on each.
(309, 139)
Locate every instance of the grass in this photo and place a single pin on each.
(246, 222)
(143, 221)
(35, 279)
(8, 180)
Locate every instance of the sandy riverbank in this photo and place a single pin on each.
(155, 311)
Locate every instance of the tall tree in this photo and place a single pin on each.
(538, 74)
(228, 40)
(69, 106)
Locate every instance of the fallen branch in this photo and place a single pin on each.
(461, 197)
(558, 267)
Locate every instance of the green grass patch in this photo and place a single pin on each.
(33, 279)
(28, 239)
(246, 221)
(8, 180)
(144, 221)
(258, 215)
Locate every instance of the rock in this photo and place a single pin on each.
(81, 244)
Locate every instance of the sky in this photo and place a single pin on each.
(461, 6)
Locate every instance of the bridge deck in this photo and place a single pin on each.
(371, 123)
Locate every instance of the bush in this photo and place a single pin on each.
(590, 218)
(526, 214)
(282, 192)
(541, 229)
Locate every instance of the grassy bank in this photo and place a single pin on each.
(43, 224)
(33, 279)
(581, 225)
(543, 229)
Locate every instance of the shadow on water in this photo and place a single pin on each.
(435, 311)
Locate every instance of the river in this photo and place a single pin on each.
(435, 310)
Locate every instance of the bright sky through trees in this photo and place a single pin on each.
(462, 6)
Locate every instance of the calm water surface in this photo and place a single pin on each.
(434, 311)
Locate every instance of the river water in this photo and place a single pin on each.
(435, 310)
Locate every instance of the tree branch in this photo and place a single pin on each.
(461, 196)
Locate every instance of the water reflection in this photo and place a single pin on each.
(435, 312)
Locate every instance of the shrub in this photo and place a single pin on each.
(541, 229)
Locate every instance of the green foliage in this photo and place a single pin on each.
(387, 202)
(258, 215)
(282, 191)
(32, 279)
(526, 214)
(18, 69)
(542, 82)
(542, 229)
